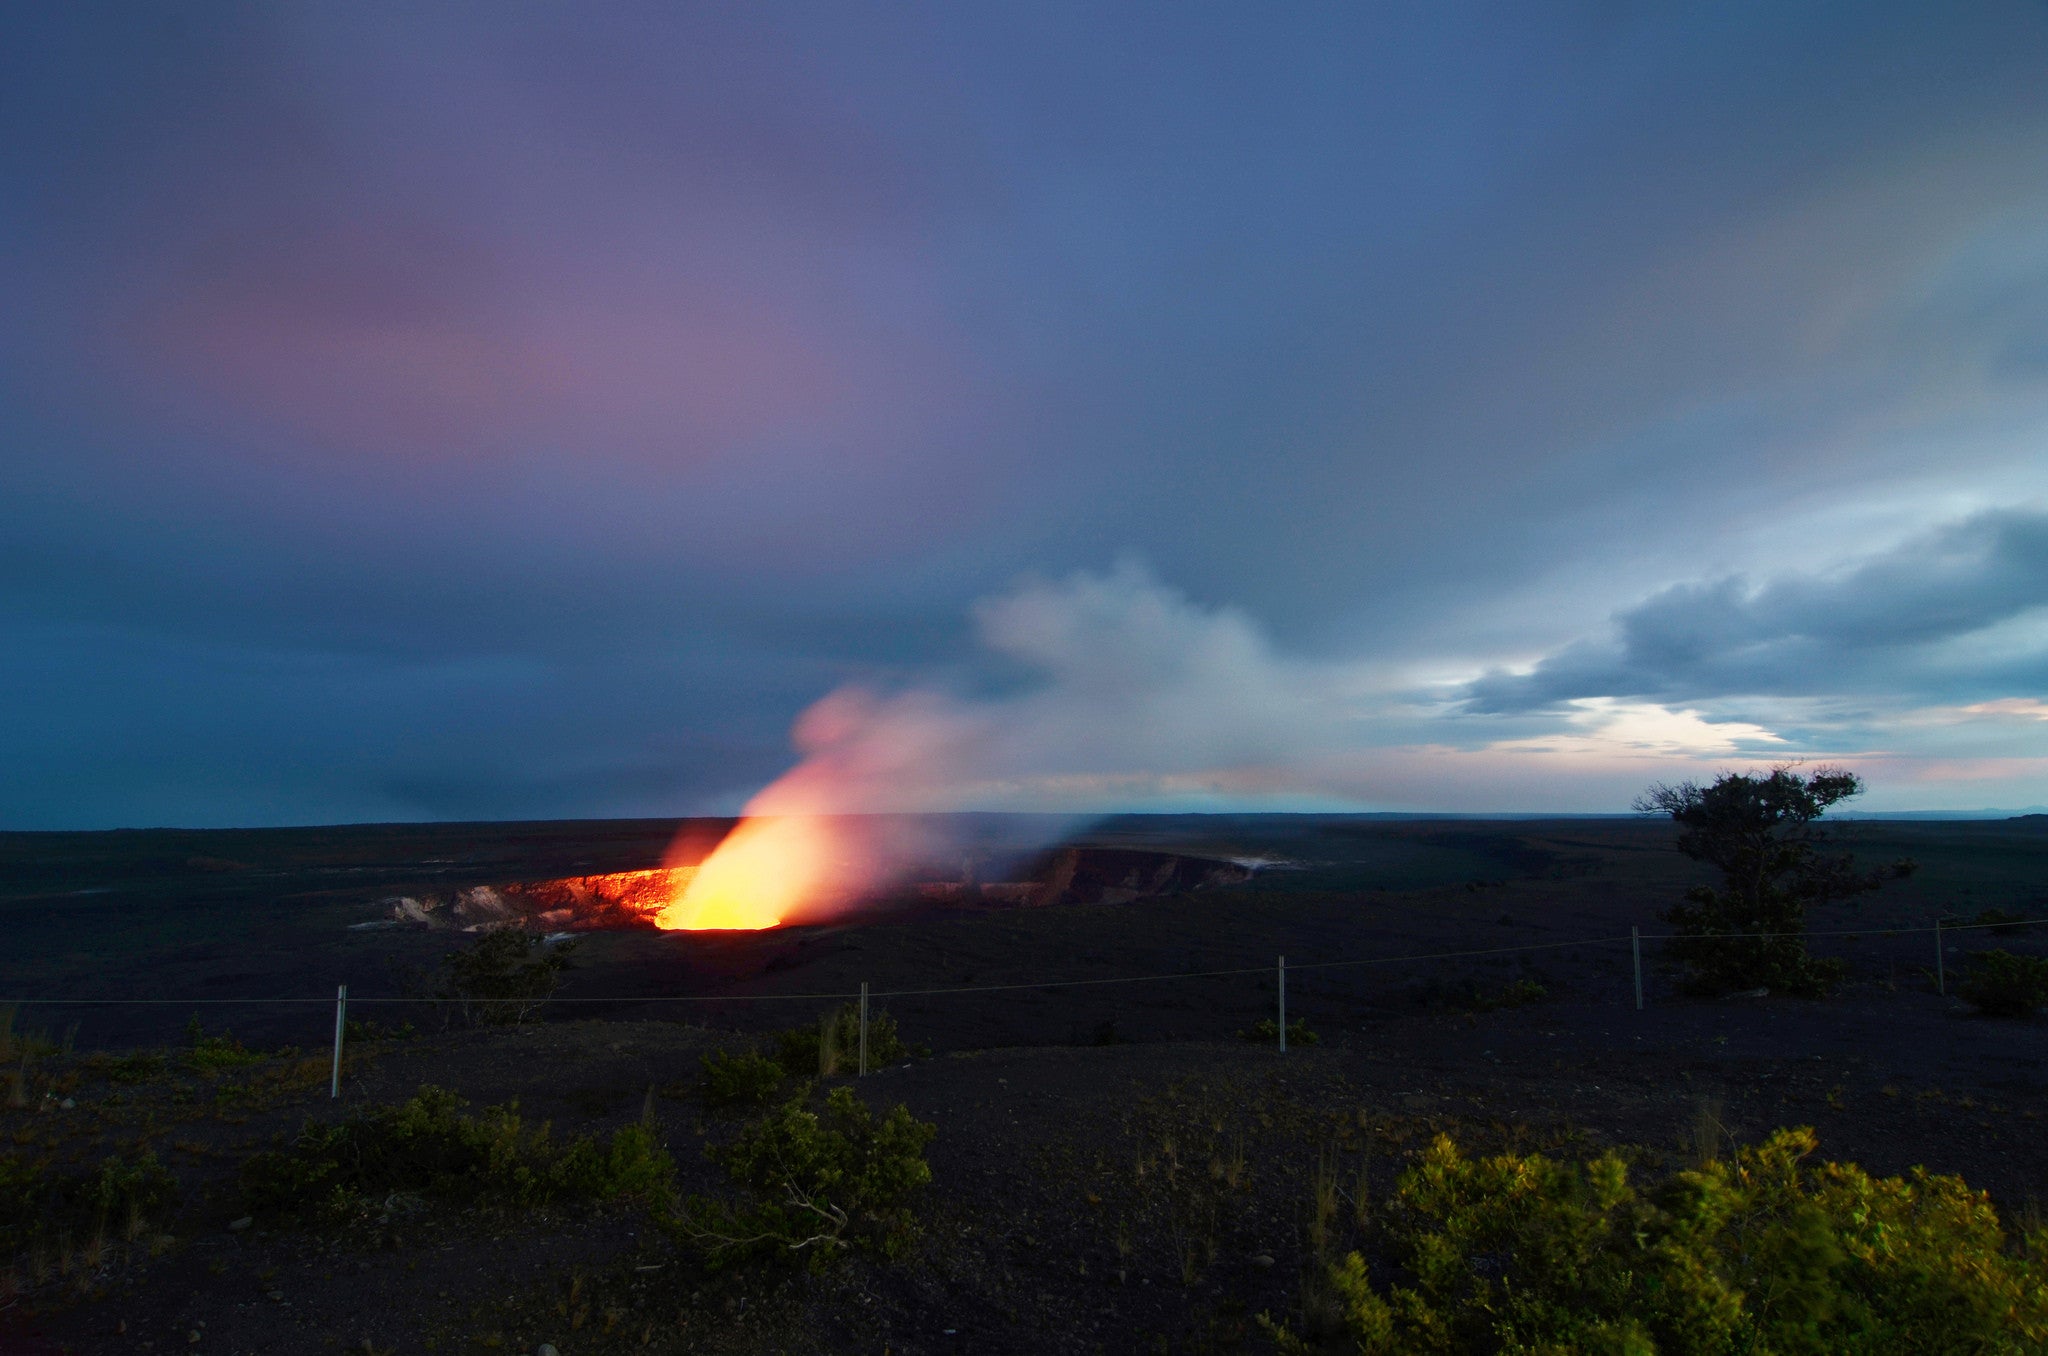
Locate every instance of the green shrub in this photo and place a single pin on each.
(2000, 984)
(632, 1163)
(1519, 994)
(430, 1146)
(138, 1067)
(816, 1184)
(1266, 1031)
(210, 1054)
(834, 1043)
(37, 1204)
(1999, 921)
(122, 1189)
(367, 1030)
(745, 1079)
(504, 976)
(1761, 1254)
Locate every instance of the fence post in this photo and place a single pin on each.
(863, 1028)
(1283, 1005)
(1940, 962)
(1635, 944)
(340, 1024)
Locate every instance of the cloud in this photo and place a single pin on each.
(2030, 708)
(485, 411)
(1601, 726)
(1954, 612)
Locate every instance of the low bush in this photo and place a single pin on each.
(137, 1067)
(367, 1030)
(1520, 993)
(504, 976)
(745, 1079)
(210, 1054)
(630, 1164)
(430, 1146)
(1999, 921)
(815, 1184)
(834, 1043)
(2000, 984)
(1266, 1031)
(39, 1205)
(1763, 1253)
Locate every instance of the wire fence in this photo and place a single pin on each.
(1939, 930)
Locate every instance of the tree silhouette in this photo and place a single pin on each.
(1761, 832)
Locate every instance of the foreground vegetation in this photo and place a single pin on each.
(813, 1184)
(1767, 1252)
(430, 1146)
(766, 1201)
(2001, 984)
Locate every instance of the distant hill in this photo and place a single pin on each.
(2026, 812)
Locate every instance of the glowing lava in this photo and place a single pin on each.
(764, 871)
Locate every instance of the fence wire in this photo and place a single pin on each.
(1409, 958)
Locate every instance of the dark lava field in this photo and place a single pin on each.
(1466, 977)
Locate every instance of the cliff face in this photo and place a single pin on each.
(1092, 875)
(1120, 875)
(621, 899)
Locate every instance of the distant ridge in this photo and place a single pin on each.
(2027, 812)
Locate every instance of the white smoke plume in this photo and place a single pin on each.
(1130, 695)
(1135, 694)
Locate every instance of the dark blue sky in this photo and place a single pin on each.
(530, 410)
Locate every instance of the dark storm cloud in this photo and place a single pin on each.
(690, 363)
(1889, 624)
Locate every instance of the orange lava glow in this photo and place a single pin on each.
(765, 871)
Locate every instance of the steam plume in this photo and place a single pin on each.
(1134, 693)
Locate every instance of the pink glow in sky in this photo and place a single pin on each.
(481, 411)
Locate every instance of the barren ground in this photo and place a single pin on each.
(1083, 1196)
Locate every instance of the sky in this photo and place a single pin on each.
(528, 411)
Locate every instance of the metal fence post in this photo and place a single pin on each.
(1635, 944)
(863, 1028)
(1940, 962)
(1283, 1005)
(340, 1025)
